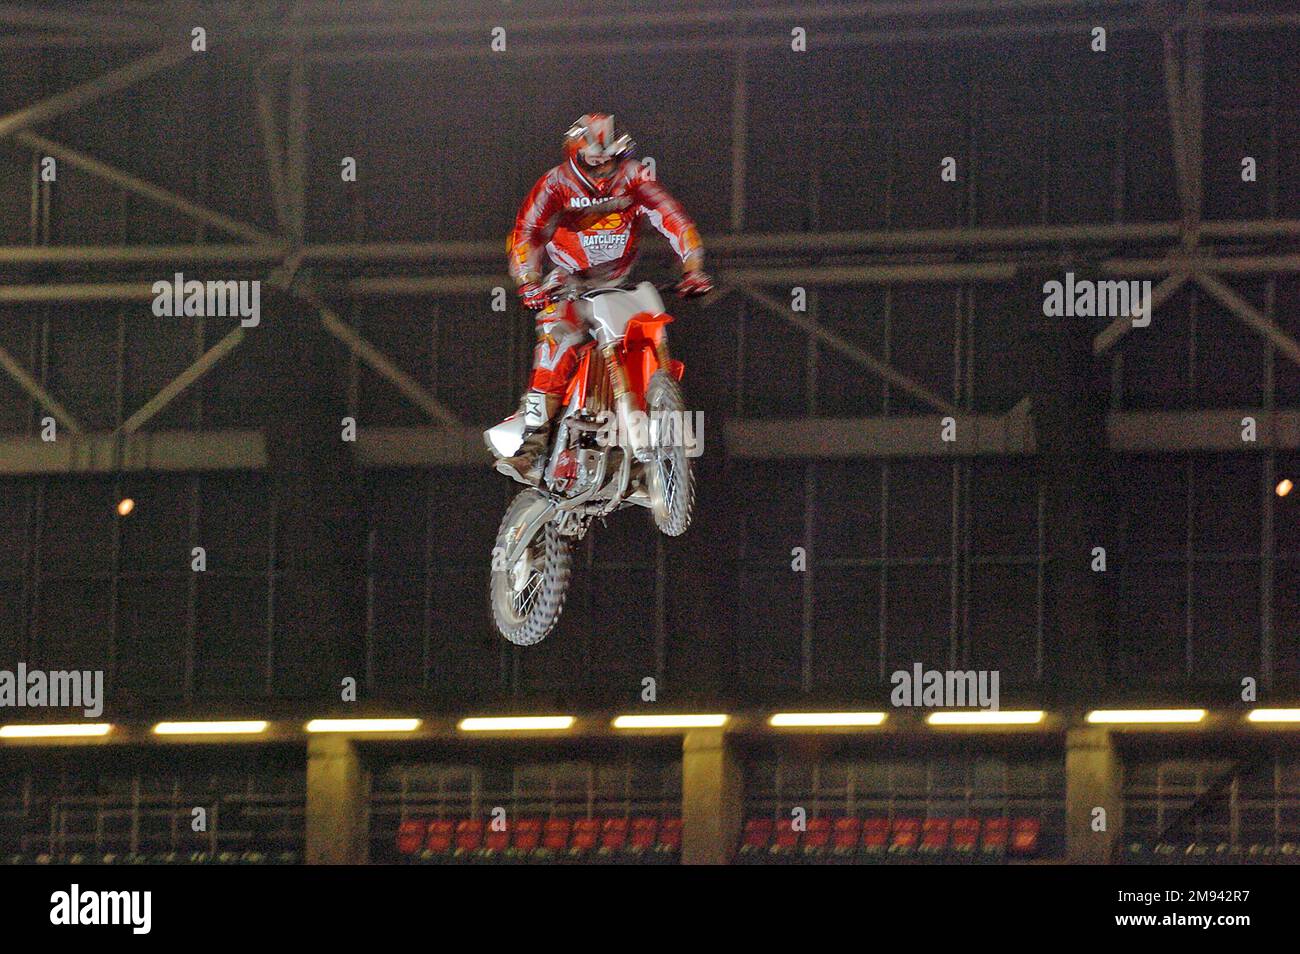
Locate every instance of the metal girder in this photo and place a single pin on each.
(173, 389)
(720, 40)
(77, 291)
(156, 194)
(100, 453)
(1211, 431)
(419, 27)
(851, 351)
(1136, 432)
(274, 153)
(720, 246)
(1124, 323)
(828, 438)
(131, 255)
(295, 150)
(92, 90)
(42, 397)
(938, 273)
(76, 21)
(379, 363)
(1011, 434)
(1203, 262)
(1253, 318)
(380, 447)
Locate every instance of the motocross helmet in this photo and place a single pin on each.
(590, 144)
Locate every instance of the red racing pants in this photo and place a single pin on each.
(559, 333)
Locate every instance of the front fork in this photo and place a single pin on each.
(632, 424)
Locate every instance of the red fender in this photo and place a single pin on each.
(640, 355)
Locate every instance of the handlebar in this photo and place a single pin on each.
(570, 290)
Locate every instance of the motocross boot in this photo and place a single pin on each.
(526, 466)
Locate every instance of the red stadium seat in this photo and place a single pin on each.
(410, 835)
(527, 836)
(555, 835)
(847, 833)
(875, 836)
(905, 836)
(670, 836)
(643, 834)
(1024, 837)
(934, 836)
(965, 835)
(993, 843)
(817, 838)
(496, 841)
(786, 841)
(756, 836)
(438, 841)
(469, 836)
(613, 835)
(585, 837)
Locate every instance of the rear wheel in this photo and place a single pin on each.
(527, 593)
(670, 479)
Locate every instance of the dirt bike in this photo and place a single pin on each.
(622, 438)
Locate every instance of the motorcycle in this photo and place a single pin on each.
(621, 439)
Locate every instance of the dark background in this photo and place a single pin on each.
(320, 568)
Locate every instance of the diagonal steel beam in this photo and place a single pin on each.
(92, 90)
(295, 146)
(1194, 100)
(1174, 97)
(206, 362)
(80, 21)
(1107, 337)
(1251, 316)
(1184, 93)
(377, 361)
(155, 194)
(274, 152)
(851, 351)
(41, 396)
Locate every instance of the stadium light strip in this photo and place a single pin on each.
(1156, 716)
(74, 731)
(363, 725)
(209, 728)
(670, 721)
(516, 723)
(1025, 717)
(818, 720)
(1274, 715)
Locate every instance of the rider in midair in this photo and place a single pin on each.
(584, 215)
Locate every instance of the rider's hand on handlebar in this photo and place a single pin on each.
(694, 283)
(534, 296)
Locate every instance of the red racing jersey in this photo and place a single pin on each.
(591, 230)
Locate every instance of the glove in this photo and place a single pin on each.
(694, 284)
(534, 296)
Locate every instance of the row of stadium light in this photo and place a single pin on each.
(792, 720)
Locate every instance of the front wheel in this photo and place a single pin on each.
(670, 479)
(527, 593)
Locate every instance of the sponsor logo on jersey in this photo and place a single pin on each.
(604, 241)
(598, 202)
